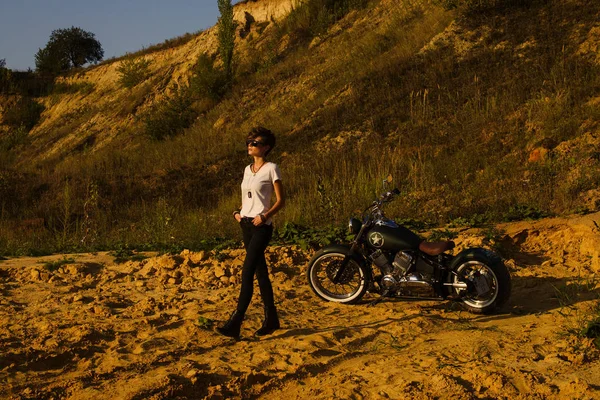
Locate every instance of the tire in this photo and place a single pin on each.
(324, 266)
(488, 281)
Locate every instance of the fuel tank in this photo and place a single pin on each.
(392, 238)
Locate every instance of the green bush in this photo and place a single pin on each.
(314, 17)
(71, 88)
(26, 83)
(520, 212)
(13, 138)
(5, 78)
(208, 81)
(170, 117)
(133, 71)
(480, 5)
(25, 113)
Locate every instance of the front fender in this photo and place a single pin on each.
(347, 250)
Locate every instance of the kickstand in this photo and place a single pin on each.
(377, 300)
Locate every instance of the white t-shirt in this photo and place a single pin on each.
(257, 189)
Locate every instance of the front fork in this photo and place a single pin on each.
(345, 261)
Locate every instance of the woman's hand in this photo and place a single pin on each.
(238, 217)
(257, 221)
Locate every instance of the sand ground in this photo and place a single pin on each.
(95, 329)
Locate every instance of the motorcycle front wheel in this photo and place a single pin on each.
(323, 268)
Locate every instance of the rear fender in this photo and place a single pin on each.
(472, 254)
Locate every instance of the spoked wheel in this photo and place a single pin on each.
(322, 271)
(488, 285)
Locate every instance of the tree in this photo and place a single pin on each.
(226, 35)
(5, 77)
(68, 48)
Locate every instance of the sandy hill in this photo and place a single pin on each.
(104, 112)
(481, 115)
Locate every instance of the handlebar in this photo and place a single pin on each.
(389, 195)
(384, 198)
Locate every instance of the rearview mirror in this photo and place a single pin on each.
(387, 181)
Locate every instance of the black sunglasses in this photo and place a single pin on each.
(254, 143)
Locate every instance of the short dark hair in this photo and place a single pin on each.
(267, 135)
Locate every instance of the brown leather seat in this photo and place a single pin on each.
(436, 248)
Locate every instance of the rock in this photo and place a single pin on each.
(78, 297)
(198, 257)
(219, 271)
(164, 277)
(596, 263)
(173, 281)
(100, 310)
(165, 262)
(147, 270)
(140, 283)
(177, 274)
(220, 122)
(591, 199)
(538, 155)
(237, 263)
(185, 253)
(73, 269)
(35, 275)
(192, 373)
(224, 279)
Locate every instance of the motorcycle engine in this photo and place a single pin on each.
(398, 278)
(397, 268)
(401, 263)
(416, 285)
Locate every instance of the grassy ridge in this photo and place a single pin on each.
(492, 120)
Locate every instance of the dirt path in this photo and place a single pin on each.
(92, 329)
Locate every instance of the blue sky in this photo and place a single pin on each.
(121, 26)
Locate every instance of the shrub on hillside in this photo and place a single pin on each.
(314, 17)
(72, 88)
(133, 71)
(480, 5)
(170, 117)
(13, 138)
(26, 83)
(208, 81)
(25, 113)
(5, 77)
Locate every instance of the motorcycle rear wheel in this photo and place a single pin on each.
(493, 280)
(324, 267)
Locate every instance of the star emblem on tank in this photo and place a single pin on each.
(376, 239)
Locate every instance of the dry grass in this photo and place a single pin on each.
(456, 121)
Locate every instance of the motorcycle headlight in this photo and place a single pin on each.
(354, 226)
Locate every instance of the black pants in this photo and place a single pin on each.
(256, 239)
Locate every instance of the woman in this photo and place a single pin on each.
(261, 179)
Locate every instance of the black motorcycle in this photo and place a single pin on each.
(409, 267)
